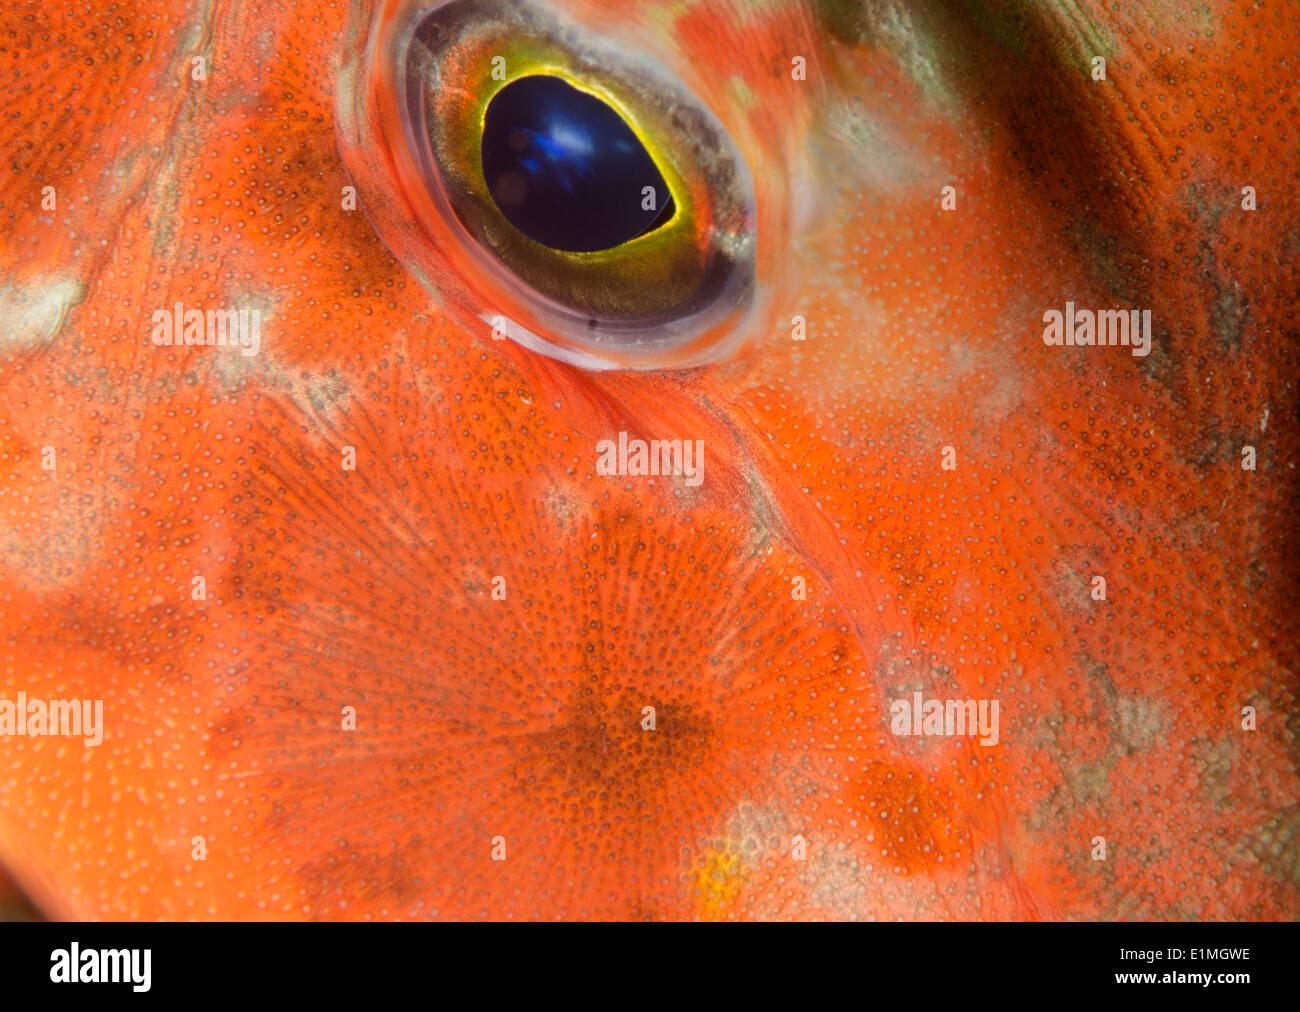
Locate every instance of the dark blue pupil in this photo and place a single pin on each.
(566, 170)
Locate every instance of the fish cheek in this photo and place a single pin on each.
(403, 742)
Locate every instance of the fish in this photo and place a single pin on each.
(960, 622)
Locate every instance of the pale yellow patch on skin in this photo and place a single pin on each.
(716, 881)
(741, 94)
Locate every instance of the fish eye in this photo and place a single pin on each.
(566, 170)
(563, 188)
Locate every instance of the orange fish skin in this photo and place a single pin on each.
(480, 719)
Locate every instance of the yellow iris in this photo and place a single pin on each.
(635, 280)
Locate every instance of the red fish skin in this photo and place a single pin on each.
(519, 719)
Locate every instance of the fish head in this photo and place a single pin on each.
(390, 614)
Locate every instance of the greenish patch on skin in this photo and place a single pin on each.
(919, 56)
(1292, 726)
(1009, 25)
(915, 33)
(1091, 783)
(325, 395)
(1227, 314)
(76, 509)
(164, 233)
(1215, 760)
(1119, 271)
(1199, 17)
(230, 366)
(1072, 586)
(1214, 447)
(1004, 24)
(834, 880)
(425, 281)
(1093, 33)
(1138, 722)
(919, 37)
(1106, 259)
(1277, 845)
(843, 19)
(867, 152)
(742, 96)
(1206, 206)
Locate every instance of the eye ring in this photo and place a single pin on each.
(390, 79)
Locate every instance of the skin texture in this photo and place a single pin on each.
(479, 718)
